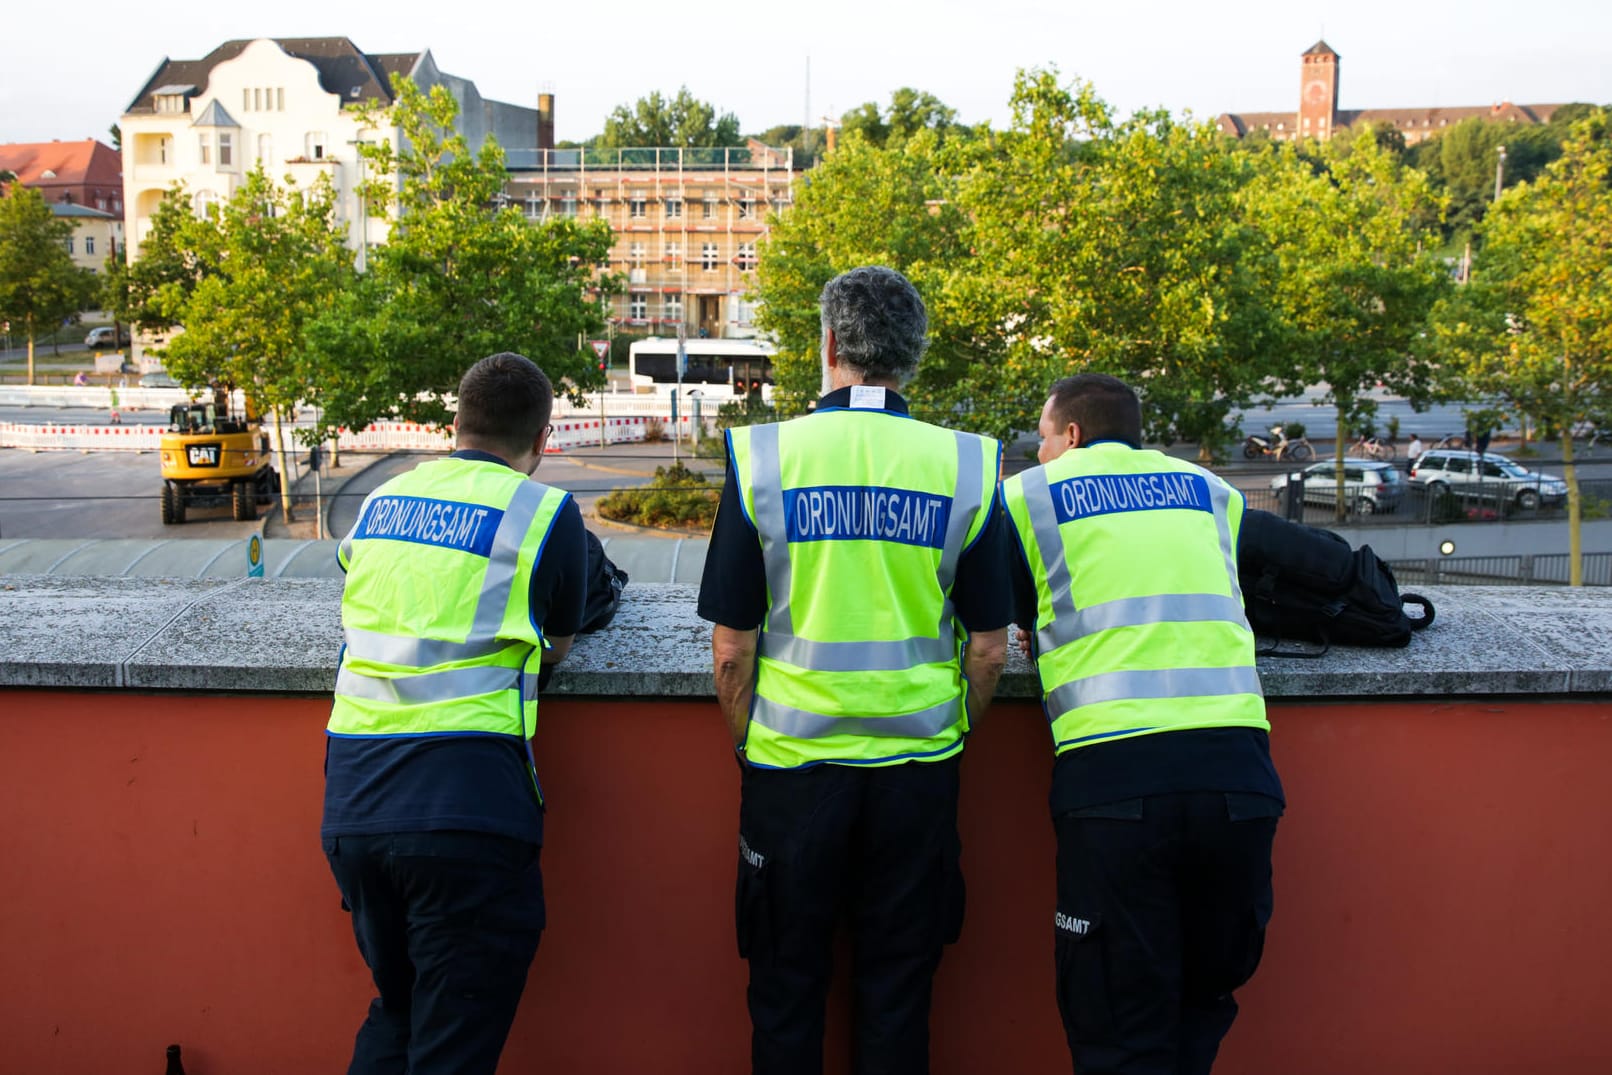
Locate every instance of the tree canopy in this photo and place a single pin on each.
(681, 122)
(40, 286)
(459, 278)
(1535, 324)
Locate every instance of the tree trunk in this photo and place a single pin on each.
(285, 471)
(1575, 513)
(1342, 505)
(30, 355)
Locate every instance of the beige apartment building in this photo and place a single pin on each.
(688, 225)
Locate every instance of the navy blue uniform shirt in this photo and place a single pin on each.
(469, 783)
(733, 588)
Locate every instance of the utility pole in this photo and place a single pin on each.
(1499, 172)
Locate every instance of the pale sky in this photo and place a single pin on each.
(68, 73)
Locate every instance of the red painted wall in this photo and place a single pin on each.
(1442, 881)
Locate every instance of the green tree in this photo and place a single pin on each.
(1536, 321)
(40, 287)
(1119, 248)
(458, 279)
(908, 112)
(1462, 163)
(1356, 275)
(167, 267)
(265, 262)
(864, 205)
(682, 122)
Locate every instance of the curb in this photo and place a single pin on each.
(646, 531)
(275, 519)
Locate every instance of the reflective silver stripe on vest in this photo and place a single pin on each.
(410, 652)
(445, 686)
(924, 724)
(1044, 522)
(858, 656)
(1139, 612)
(1220, 494)
(767, 504)
(966, 503)
(504, 558)
(1153, 683)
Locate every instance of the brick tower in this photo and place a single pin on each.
(1318, 92)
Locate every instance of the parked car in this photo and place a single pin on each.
(1486, 477)
(158, 379)
(1369, 486)
(107, 336)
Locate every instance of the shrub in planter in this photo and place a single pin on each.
(675, 497)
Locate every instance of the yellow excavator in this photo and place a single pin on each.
(211, 458)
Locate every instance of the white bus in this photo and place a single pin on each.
(743, 366)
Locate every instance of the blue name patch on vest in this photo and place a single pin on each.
(444, 523)
(866, 513)
(1104, 494)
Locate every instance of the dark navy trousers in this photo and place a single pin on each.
(448, 923)
(876, 849)
(1162, 907)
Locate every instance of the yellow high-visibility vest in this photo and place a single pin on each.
(862, 516)
(1139, 618)
(436, 612)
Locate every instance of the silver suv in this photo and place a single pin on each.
(1486, 477)
(1369, 486)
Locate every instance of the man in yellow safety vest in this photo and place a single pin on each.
(464, 580)
(857, 578)
(1164, 797)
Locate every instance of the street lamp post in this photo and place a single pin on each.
(1499, 172)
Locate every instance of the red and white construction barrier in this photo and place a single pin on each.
(48, 437)
(584, 432)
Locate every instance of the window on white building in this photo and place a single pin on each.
(204, 144)
(202, 200)
(638, 306)
(279, 99)
(89, 244)
(226, 149)
(246, 99)
(674, 307)
(708, 257)
(265, 150)
(314, 145)
(568, 204)
(674, 208)
(744, 312)
(69, 243)
(534, 205)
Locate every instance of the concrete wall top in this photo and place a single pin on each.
(284, 635)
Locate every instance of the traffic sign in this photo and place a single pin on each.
(600, 347)
(254, 556)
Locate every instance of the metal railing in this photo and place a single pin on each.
(1509, 570)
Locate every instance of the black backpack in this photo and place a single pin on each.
(1302, 582)
(605, 583)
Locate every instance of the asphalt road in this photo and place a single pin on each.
(106, 494)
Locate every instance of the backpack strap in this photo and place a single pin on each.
(1422, 622)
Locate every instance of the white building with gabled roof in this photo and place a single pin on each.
(291, 104)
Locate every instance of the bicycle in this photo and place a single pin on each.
(1373, 448)
(1453, 441)
(1277, 444)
